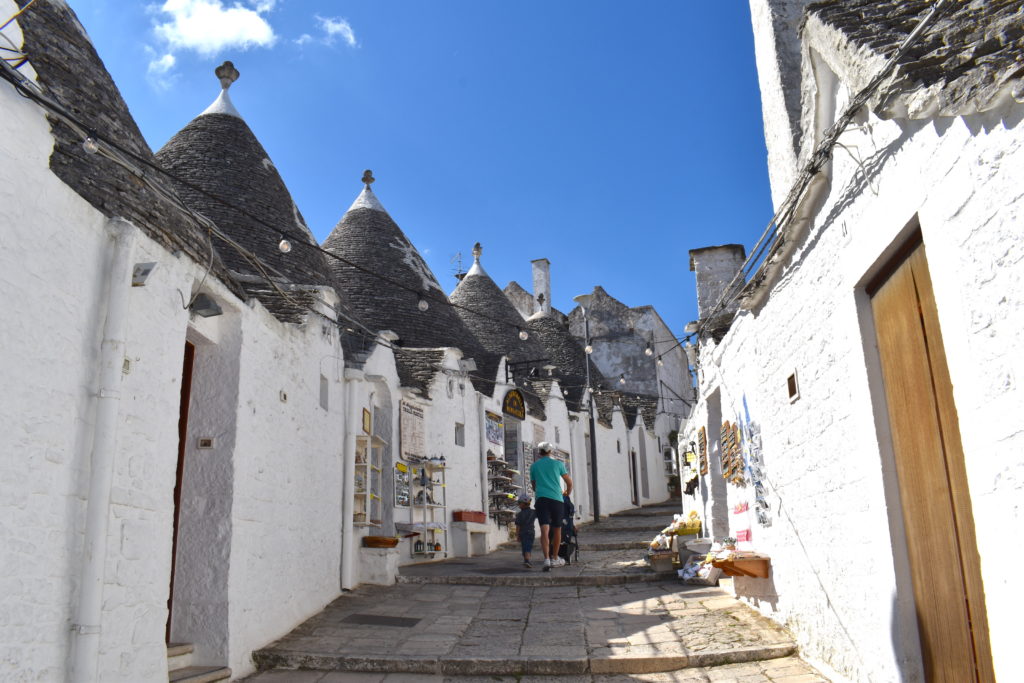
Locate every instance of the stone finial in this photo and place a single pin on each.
(227, 73)
(368, 178)
(477, 250)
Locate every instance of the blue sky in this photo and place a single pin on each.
(610, 138)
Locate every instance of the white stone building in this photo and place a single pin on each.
(860, 387)
(207, 412)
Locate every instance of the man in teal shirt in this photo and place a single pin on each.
(546, 476)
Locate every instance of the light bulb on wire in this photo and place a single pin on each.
(284, 246)
(649, 351)
(660, 361)
(622, 379)
(588, 349)
(524, 335)
(422, 304)
(90, 145)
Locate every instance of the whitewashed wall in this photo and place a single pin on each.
(52, 265)
(837, 581)
(613, 466)
(286, 513)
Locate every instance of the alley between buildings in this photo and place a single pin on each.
(606, 617)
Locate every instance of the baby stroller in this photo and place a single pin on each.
(569, 549)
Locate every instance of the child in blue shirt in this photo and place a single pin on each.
(524, 527)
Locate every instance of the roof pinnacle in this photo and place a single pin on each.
(368, 178)
(227, 73)
(477, 250)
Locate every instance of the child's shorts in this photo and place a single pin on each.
(526, 541)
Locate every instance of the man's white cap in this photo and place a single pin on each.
(545, 447)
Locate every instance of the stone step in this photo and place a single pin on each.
(200, 674)
(644, 661)
(551, 578)
(179, 655)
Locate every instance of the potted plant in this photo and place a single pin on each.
(729, 543)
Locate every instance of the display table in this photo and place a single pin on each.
(745, 564)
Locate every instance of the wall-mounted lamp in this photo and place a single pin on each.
(204, 305)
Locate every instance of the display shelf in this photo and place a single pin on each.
(745, 564)
(428, 510)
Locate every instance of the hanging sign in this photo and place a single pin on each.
(514, 404)
(493, 428)
(702, 443)
(411, 427)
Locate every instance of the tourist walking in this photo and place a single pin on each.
(546, 476)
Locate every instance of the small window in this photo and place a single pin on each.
(793, 387)
(558, 435)
(618, 446)
(324, 393)
(460, 434)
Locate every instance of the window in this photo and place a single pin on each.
(323, 392)
(460, 434)
(558, 435)
(793, 388)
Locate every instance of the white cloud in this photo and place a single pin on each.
(303, 39)
(159, 70)
(335, 27)
(208, 27)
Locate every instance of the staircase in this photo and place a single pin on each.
(181, 670)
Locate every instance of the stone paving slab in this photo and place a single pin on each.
(782, 670)
(630, 628)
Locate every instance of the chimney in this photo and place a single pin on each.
(542, 284)
(715, 268)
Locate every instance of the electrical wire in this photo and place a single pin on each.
(124, 158)
(767, 245)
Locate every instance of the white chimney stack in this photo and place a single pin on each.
(542, 284)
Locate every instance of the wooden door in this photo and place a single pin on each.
(186, 394)
(936, 504)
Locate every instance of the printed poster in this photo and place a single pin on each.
(493, 428)
(411, 432)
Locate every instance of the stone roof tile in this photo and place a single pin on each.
(67, 66)
(967, 62)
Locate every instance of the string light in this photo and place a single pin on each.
(90, 145)
(422, 303)
(524, 335)
(660, 361)
(284, 246)
(588, 349)
(622, 378)
(649, 351)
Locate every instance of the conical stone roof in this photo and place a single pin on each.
(498, 324)
(217, 154)
(568, 357)
(382, 278)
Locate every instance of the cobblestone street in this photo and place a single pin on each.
(606, 618)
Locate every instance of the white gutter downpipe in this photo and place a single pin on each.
(348, 487)
(86, 629)
(481, 428)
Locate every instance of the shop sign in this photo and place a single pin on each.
(411, 431)
(514, 404)
(493, 428)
